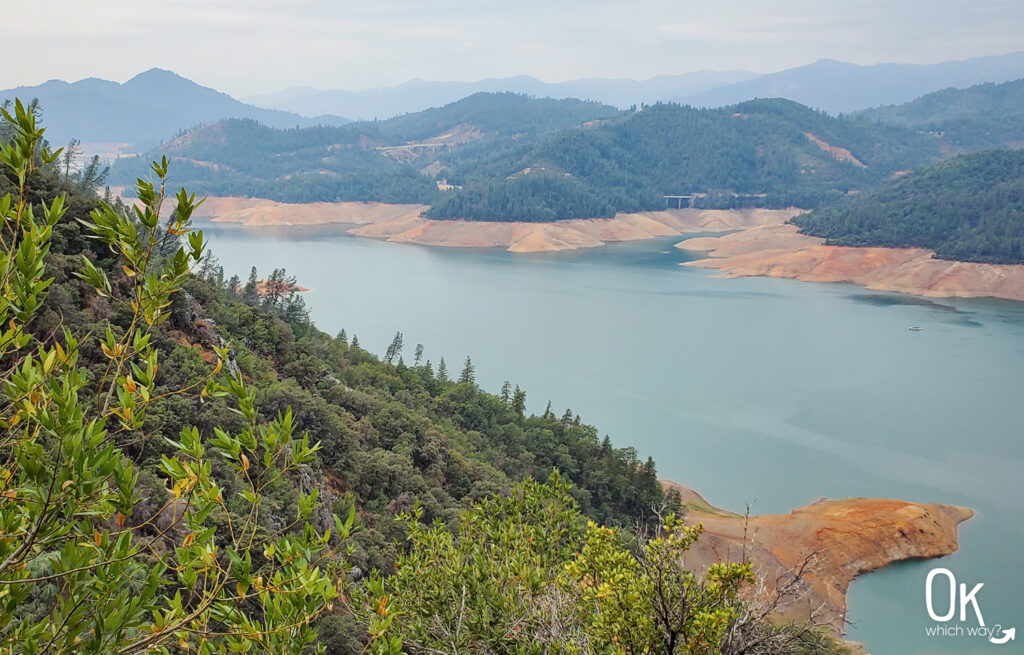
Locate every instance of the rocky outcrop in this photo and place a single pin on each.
(806, 560)
(781, 251)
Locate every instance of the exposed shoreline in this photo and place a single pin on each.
(762, 243)
(833, 541)
(781, 251)
(404, 224)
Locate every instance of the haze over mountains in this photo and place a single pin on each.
(836, 87)
(141, 112)
(505, 156)
(829, 85)
(153, 107)
(417, 95)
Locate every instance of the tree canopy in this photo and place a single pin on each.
(968, 208)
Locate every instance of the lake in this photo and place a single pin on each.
(763, 391)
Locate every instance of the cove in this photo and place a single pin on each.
(764, 391)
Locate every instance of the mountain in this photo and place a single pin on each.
(141, 112)
(391, 161)
(982, 116)
(417, 95)
(773, 153)
(838, 87)
(968, 208)
(521, 158)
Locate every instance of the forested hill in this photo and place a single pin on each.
(765, 152)
(968, 208)
(181, 451)
(520, 158)
(408, 429)
(982, 116)
(390, 161)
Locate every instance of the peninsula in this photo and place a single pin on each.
(806, 560)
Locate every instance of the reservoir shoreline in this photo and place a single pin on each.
(761, 242)
(755, 391)
(805, 561)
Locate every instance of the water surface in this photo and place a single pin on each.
(763, 391)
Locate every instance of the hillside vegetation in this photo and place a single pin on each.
(982, 116)
(520, 158)
(968, 208)
(771, 153)
(189, 465)
(387, 161)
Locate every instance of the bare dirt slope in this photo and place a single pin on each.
(831, 541)
(404, 223)
(781, 251)
(569, 234)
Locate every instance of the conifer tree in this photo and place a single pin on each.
(468, 374)
(519, 401)
(394, 349)
(251, 294)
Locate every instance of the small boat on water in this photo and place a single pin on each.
(915, 328)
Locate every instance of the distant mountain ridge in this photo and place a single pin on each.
(826, 84)
(150, 107)
(838, 87)
(395, 160)
(417, 95)
(157, 104)
(513, 157)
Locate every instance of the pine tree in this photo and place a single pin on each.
(251, 292)
(394, 350)
(506, 392)
(418, 355)
(519, 401)
(468, 372)
(355, 342)
(442, 371)
(343, 337)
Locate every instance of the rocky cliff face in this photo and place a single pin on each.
(806, 560)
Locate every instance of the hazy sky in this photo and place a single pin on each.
(255, 46)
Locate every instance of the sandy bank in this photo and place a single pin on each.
(833, 541)
(781, 251)
(403, 224)
(569, 234)
(258, 212)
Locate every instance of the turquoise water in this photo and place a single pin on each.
(762, 391)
